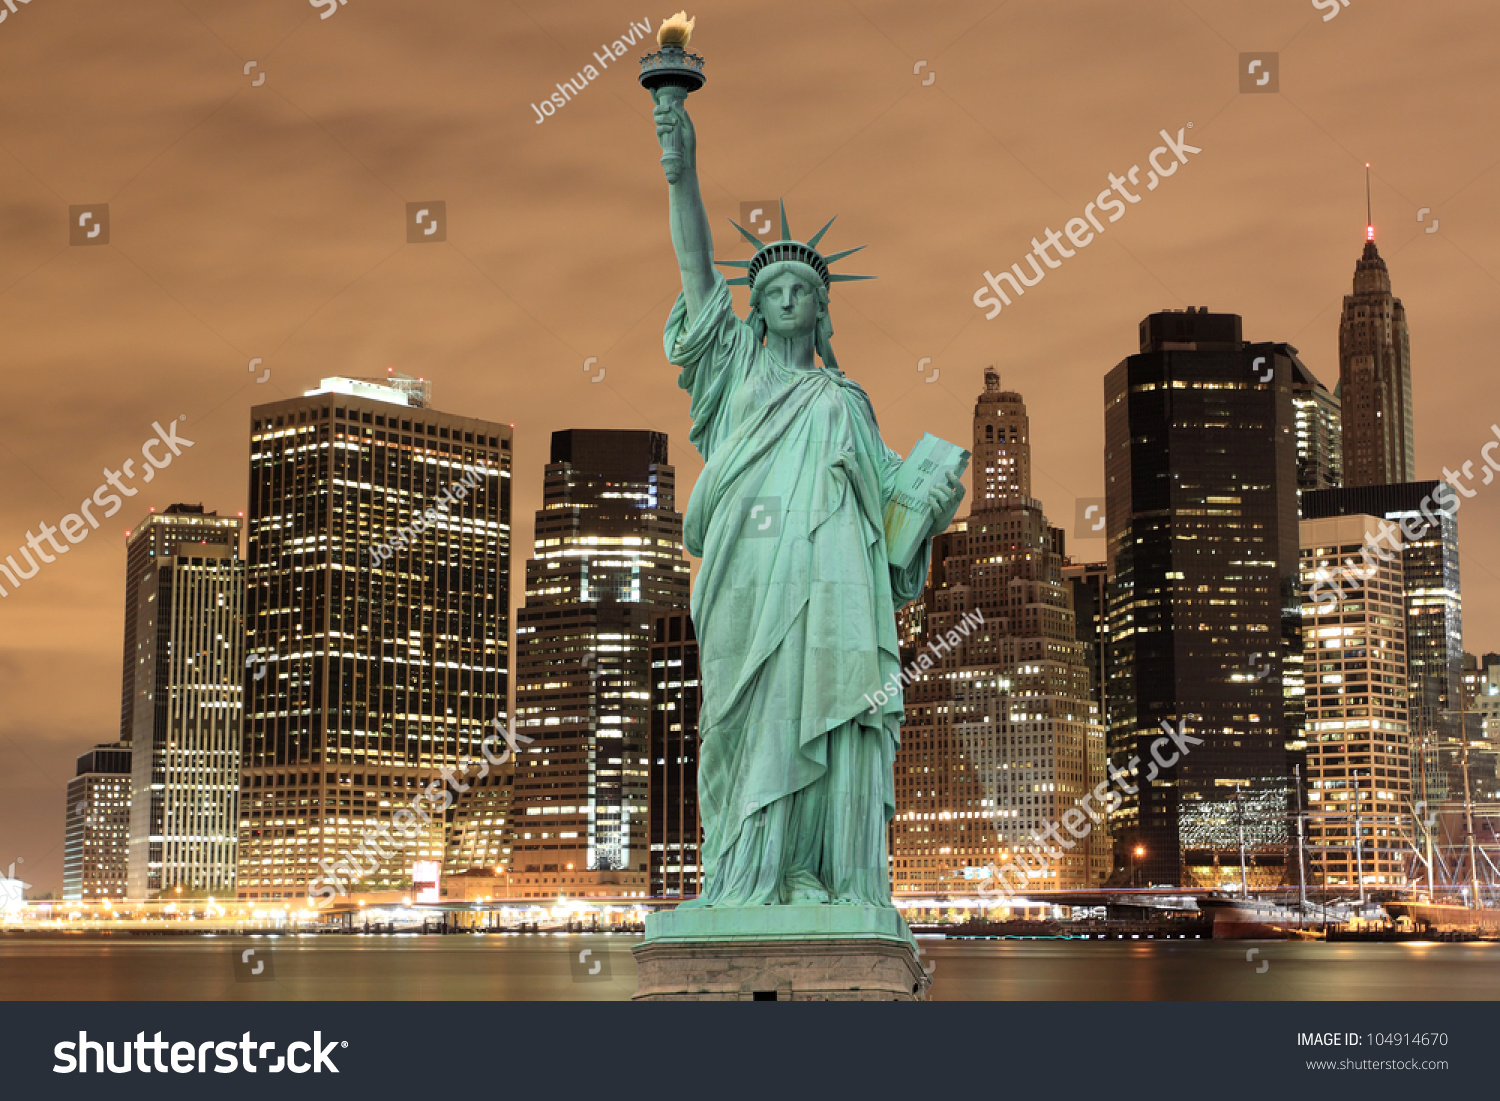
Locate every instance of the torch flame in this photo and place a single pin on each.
(676, 31)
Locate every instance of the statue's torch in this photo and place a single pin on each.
(669, 74)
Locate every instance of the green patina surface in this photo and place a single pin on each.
(795, 602)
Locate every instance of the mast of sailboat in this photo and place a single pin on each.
(1359, 856)
(1426, 825)
(1463, 732)
(1301, 865)
(1244, 874)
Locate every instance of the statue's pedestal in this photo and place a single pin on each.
(779, 953)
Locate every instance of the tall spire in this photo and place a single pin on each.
(1379, 442)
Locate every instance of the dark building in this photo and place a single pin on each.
(1434, 621)
(377, 620)
(1089, 582)
(1375, 378)
(96, 830)
(159, 538)
(1320, 444)
(608, 557)
(675, 832)
(1204, 598)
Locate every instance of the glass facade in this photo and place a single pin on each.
(1204, 600)
(159, 537)
(96, 828)
(187, 712)
(1320, 445)
(1434, 622)
(377, 624)
(675, 832)
(1359, 791)
(608, 556)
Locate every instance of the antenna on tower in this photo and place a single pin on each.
(1369, 216)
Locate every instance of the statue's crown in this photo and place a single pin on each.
(788, 249)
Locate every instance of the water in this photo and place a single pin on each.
(543, 968)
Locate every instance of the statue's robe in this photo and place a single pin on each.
(794, 609)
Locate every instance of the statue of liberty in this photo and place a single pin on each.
(795, 603)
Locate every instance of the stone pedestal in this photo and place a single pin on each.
(779, 953)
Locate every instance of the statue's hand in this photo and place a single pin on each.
(679, 143)
(943, 501)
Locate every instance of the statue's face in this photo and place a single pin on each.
(790, 306)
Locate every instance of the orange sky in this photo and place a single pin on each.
(268, 221)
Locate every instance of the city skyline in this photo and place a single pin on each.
(164, 330)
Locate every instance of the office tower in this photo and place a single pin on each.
(1320, 444)
(1375, 378)
(189, 692)
(1484, 701)
(1002, 445)
(1482, 692)
(1473, 678)
(1089, 582)
(96, 829)
(476, 837)
(378, 611)
(674, 830)
(608, 557)
(1205, 614)
(1002, 736)
(177, 524)
(1359, 781)
(1434, 619)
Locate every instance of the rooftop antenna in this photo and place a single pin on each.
(1369, 216)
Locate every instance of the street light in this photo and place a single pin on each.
(1135, 854)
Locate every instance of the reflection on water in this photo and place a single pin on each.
(548, 968)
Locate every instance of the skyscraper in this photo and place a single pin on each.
(1375, 378)
(1205, 605)
(187, 711)
(1320, 443)
(1434, 620)
(160, 537)
(1089, 582)
(1002, 445)
(378, 611)
(608, 557)
(1359, 790)
(674, 829)
(96, 831)
(1002, 736)
(477, 836)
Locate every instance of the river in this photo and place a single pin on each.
(546, 967)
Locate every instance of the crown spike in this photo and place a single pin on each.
(743, 281)
(786, 233)
(847, 278)
(747, 235)
(841, 255)
(818, 236)
(733, 263)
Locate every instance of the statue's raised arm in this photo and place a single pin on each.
(690, 233)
